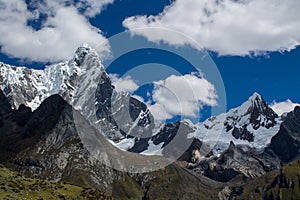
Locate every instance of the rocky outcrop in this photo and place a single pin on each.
(229, 193)
(196, 152)
(236, 160)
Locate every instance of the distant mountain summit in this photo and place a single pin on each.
(255, 111)
(253, 123)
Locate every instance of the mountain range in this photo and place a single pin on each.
(68, 123)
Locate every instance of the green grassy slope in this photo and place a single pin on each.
(284, 184)
(15, 186)
(172, 182)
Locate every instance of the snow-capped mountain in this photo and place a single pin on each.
(253, 123)
(84, 84)
(31, 87)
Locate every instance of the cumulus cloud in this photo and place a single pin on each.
(182, 95)
(62, 31)
(228, 27)
(123, 84)
(283, 107)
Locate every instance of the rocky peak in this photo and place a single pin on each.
(81, 52)
(254, 107)
(254, 112)
(87, 55)
(256, 102)
(255, 96)
(253, 123)
(261, 113)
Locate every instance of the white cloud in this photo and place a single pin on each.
(61, 33)
(228, 27)
(176, 95)
(159, 112)
(125, 84)
(182, 95)
(283, 107)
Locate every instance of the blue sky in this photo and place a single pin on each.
(263, 58)
(274, 76)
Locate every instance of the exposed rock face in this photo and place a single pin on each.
(120, 115)
(172, 140)
(286, 143)
(167, 134)
(164, 136)
(5, 106)
(258, 109)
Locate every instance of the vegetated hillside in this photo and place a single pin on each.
(172, 182)
(283, 184)
(13, 185)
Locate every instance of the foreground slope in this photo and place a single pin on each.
(14, 185)
(282, 184)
